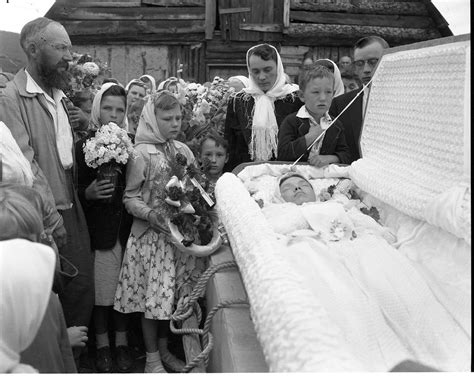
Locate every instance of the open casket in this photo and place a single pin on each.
(368, 304)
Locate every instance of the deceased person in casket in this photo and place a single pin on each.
(376, 297)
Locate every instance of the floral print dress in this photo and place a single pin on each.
(153, 269)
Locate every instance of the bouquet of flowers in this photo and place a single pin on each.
(185, 203)
(109, 147)
(110, 144)
(84, 71)
(204, 108)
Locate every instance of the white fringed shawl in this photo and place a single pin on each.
(263, 144)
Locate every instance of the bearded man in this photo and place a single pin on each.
(33, 107)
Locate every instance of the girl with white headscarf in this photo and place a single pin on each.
(149, 82)
(107, 222)
(238, 82)
(255, 113)
(153, 269)
(95, 122)
(26, 277)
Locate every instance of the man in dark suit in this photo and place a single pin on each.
(367, 52)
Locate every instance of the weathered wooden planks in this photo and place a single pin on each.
(419, 22)
(266, 28)
(130, 13)
(175, 3)
(393, 35)
(101, 3)
(210, 18)
(125, 27)
(414, 7)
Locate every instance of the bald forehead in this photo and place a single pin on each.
(56, 33)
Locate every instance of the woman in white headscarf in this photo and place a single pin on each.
(149, 82)
(26, 277)
(332, 66)
(256, 112)
(239, 82)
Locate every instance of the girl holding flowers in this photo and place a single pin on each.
(108, 222)
(154, 271)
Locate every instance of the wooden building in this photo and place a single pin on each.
(210, 37)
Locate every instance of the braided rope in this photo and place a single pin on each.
(207, 336)
(188, 305)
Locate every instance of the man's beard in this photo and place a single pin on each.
(52, 77)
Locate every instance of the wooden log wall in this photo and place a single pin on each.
(248, 20)
(342, 22)
(210, 36)
(292, 56)
(132, 21)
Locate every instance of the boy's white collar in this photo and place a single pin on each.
(304, 114)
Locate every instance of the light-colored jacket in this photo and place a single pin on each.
(32, 126)
(141, 172)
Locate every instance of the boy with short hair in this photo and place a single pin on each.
(299, 130)
(214, 154)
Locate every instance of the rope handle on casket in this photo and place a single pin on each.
(187, 305)
(331, 123)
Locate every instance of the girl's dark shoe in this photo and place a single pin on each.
(124, 358)
(103, 360)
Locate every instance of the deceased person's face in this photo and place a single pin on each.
(297, 190)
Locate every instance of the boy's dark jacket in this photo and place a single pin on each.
(292, 143)
(105, 221)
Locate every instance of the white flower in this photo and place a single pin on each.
(91, 68)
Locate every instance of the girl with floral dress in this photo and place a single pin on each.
(154, 271)
(109, 226)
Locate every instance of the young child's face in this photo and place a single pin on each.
(169, 122)
(112, 109)
(349, 84)
(318, 95)
(297, 190)
(134, 93)
(216, 155)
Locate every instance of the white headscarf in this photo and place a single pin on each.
(134, 81)
(338, 83)
(166, 83)
(263, 144)
(152, 80)
(26, 279)
(15, 168)
(95, 122)
(245, 80)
